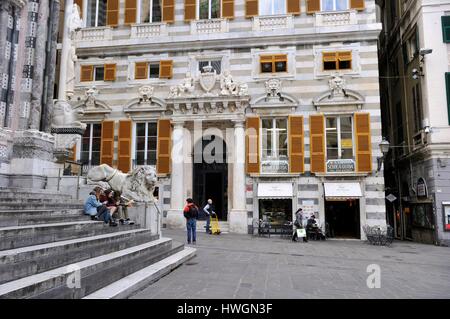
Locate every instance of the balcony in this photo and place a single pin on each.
(208, 26)
(95, 34)
(148, 30)
(335, 18)
(275, 22)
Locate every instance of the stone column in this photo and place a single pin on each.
(34, 121)
(47, 111)
(175, 218)
(65, 51)
(238, 215)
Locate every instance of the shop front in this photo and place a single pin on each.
(275, 203)
(342, 209)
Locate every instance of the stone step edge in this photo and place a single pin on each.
(134, 282)
(64, 270)
(6, 211)
(50, 225)
(27, 249)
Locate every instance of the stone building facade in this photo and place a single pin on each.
(414, 60)
(28, 31)
(286, 91)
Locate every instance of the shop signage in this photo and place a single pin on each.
(271, 190)
(275, 166)
(342, 165)
(422, 188)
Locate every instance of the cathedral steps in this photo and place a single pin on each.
(44, 239)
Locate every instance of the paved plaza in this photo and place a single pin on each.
(242, 266)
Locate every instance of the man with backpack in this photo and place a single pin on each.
(190, 212)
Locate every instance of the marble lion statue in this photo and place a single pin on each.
(137, 185)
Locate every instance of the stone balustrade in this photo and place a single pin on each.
(335, 18)
(148, 30)
(95, 34)
(272, 22)
(209, 26)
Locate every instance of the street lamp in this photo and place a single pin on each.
(384, 147)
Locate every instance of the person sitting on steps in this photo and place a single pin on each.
(94, 208)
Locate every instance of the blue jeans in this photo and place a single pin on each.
(208, 221)
(191, 226)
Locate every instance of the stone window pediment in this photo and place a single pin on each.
(274, 97)
(91, 107)
(339, 96)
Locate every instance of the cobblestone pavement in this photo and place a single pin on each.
(241, 266)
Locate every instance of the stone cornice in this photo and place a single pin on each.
(228, 40)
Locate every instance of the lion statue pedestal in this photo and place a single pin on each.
(138, 185)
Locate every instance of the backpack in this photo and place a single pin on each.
(192, 213)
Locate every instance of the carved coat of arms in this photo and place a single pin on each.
(208, 78)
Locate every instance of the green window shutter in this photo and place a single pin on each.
(447, 85)
(446, 28)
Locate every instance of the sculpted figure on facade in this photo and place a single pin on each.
(227, 85)
(273, 88)
(243, 89)
(186, 87)
(65, 116)
(137, 185)
(91, 95)
(337, 85)
(146, 93)
(70, 81)
(74, 24)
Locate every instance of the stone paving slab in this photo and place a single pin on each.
(241, 266)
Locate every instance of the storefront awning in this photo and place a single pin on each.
(274, 190)
(342, 191)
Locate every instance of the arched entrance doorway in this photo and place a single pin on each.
(210, 176)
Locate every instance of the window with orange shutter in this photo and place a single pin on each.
(363, 142)
(107, 143)
(164, 147)
(252, 151)
(130, 11)
(296, 144)
(273, 63)
(168, 11)
(87, 73)
(337, 60)
(166, 69)
(317, 143)
(124, 146)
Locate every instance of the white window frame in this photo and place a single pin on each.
(275, 141)
(334, 6)
(209, 63)
(85, 3)
(150, 12)
(209, 10)
(338, 131)
(135, 150)
(272, 9)
(91, 137)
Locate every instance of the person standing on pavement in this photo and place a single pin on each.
(190, 212)
(209, 211)
(298, 223)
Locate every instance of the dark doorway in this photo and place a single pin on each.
(210, 180)
(342, 218)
